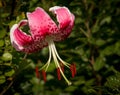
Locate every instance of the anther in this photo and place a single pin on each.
(37, 72)
(44, 75)
(58, 74)
(72, 70)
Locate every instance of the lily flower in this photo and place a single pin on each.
(44, 32)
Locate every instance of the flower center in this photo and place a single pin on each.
(53, 53)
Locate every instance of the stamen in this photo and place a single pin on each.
(55, 55)
(44, 75)
(63, 62)
(37, 72)
(58, 74)
(59, 66)
(74, 68)
(48, 62)
(72, 71)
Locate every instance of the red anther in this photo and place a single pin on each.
(72, 70)
(58, 74)
(44, 75)
(37, 72)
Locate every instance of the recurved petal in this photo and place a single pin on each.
(66, 21)
(19, 39)
(40, 23)
(13, 39)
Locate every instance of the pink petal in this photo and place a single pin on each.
(24, 42)
(19, 39)
(13, 40)
(66, 22)
(40, 24)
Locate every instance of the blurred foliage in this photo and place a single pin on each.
(94, 46)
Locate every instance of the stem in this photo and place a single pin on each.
(97, 76)
(85, 33)
(88, 10)
(7, 87)
(87, 19)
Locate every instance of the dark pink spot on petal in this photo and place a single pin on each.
(40, 23)
(66, 22)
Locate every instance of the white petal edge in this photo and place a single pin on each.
(13, 40)
(53, 9)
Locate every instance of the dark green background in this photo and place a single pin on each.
(94, 46)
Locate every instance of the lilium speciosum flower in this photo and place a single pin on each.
(44, 32)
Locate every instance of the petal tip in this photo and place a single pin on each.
(28, 13)
(22, 23)
(12, 39)
(15, 26)
(52, 9)
(37, 8)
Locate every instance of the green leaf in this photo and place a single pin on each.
(95, 28)
(71, 88)
(113, 83)
(100, 42)
(9, 73)
(7, 56)
(2, 33)
(51, 68)
(80, 81)
(108, 50)
(17, 94)
(5, 15)
(90, 82)
(106, 20)
(2, 79)
(1, 43)
(99, 64)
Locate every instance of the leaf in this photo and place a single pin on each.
(99, 63)
(51, 68)
(2, 33)
(108, 50)
(106, 20)
(9, 73)
(1, 43)
(95, 27)
(80, 81)
(100, 42)
(113, 84)
(2, 79)
(71, 88)
(7, 56)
